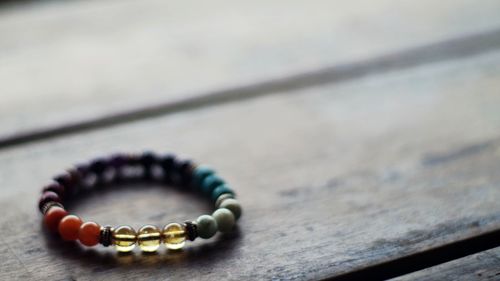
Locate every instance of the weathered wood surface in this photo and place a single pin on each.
(481, 266)
(332, 179)
(70, 61)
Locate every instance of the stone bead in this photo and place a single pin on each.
(149, 238)
(232, 205)
(174, 236)
(48, 196)
(225, 219)
(124, 238)
(207, 226)
(56, 188)
(221, 198)
(210, 183)
(89, 234)
(219, 190)
(69, 227)
(53, 216)
(200, 173)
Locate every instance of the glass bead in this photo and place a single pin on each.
(149, 238)
(174, 236)
(124, 238)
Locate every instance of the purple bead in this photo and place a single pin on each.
(48, 196)
(56, 188)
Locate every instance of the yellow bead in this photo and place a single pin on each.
(124, 238)
(149, 238)
(174, 236)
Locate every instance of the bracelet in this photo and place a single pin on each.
(146, 166)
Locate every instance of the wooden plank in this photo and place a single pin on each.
(481, 266)
(332, 179)
(72, 61)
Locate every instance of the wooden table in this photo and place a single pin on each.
(362, 138)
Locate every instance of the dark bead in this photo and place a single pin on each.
(98, 166)
(105, 236)
(118, 160)
(65, 180)
(191, 230)
(55, 187)
(83, 169)
(76, 176)
(185, 171)
(148, 159)
(167, 163)
(48, 196)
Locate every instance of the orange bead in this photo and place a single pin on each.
(89, 233)
(53, 216)
(69, 227)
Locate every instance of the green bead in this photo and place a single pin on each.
(200, 173)
(219, 190)
(225, 219)
(232, 205)
(207, 226)
(210, 183)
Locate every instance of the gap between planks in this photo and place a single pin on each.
(425, 259)
(437, 52)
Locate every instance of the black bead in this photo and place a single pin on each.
(98, 166)
(191, 230)
(148, 159)
(167, 163)
(105, 236)
(184, 169)
(117, 161)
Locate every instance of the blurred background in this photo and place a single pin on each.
(356, 133)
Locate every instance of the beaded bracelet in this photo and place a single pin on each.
(147, 166)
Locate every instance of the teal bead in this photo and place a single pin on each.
(206, 226)
(200, 173)
(210, 183)
(232, 205)
(225, 219)
(219, 190)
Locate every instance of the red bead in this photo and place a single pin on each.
(69, 227)
(48, 196)
(89, 233)
(53, 216)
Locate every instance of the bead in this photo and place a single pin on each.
(50, 204)
(98, 166)
(147, 160)
(48, 196)
(223, 197)
(219, 190)
(225, 219)
(105, 236)
(174, 236)
(232, 205)
(89, 233)
(69, 227)
(124, 238)
(210, 183)
(200, 173)
(167, 164)
(149, 238)
(207, 226)
(185, 171)
(56, 188)
(191, 230)
(53, 216)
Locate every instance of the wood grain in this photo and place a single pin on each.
(68, 61)
(332, 179)
(481, 266)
